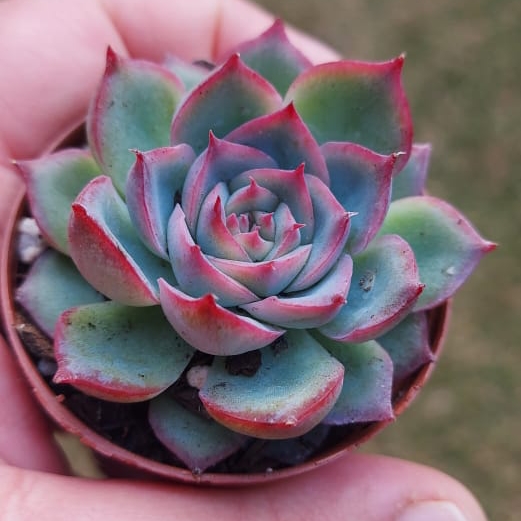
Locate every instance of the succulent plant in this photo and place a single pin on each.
(266, 212)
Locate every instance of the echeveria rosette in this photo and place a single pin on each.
(267, 206)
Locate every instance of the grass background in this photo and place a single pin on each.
(463, 79)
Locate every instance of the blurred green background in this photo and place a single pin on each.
(463, 79)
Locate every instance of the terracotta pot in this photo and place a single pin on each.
(119, 461)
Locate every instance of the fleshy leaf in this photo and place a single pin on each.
(356, 101)
(408, 345)
(132, 109)
(222, 161)
(107, 250)
(295, 386)
(118, 353)
(368, 382)
(230, 96)
(446, 246)
(53, 182)
(331, 229)
(274, 57)
(283, 136)
(212, 328)
(191, 74)
(385, 285)
(268, 277)
(197, 441)
(194, 272)
(361, 182)
(310, 308)
(153, 183)
(53, 285)
(412, 178)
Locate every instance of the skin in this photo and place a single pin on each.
(51, 57)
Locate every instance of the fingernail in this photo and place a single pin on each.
(431, 511)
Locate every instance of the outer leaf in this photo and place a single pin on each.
(211, 328)
(231, 95)
(132, 109)
(284, 136)
(52, 285)
(361, 182)
(412, 178)
(356, 101)
(293, 389)
(446, 246)
(385, 286)
(274, 57)
(368, 381)
(107, 250)
(408, 345)
(118, 353)
(311, 308)
(53, 182)
(197, 441)
(153, 182)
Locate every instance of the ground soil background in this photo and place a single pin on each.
(463, 77)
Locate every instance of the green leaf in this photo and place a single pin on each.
(446, 246)
(118, 353)
(52, 286)
(197, 441)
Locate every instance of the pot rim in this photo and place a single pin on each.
(11, 204)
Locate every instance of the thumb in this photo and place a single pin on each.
(355, 488)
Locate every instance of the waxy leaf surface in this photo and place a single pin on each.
(119, 353)
(295, 386)
(446, 246)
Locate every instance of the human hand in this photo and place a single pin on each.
(51, 57)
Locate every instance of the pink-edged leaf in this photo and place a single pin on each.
(287, 232)
(107, 250)
(230, 96)
(384, 288)
(153, 183)
(332, 224)
(222, 161)
(197, 441)
(368, 382)
(446, 246)
(213, 235)
(412, 178)
(295, 386)
(274, 57)
(195, 274)
(53, 274)
(268, 277)
(310, 308)
(132, 109)
(361, 182)
(53, 182)
(290, 187)
(118, 353)
(408, 345)
(251, 198)
(356, 101)
(211, 328)
(283, 136)
(252, 242)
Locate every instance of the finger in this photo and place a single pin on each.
(25, 438)
(357, 487)
(53, 53)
